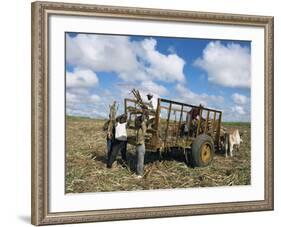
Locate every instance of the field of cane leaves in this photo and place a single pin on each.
(86, 163)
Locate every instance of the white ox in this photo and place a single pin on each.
(234, 140)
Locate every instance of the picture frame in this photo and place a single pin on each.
(41, 13)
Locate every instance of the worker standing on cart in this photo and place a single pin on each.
(152, 106)
(152, 102)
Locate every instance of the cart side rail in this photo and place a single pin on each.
(167, 128)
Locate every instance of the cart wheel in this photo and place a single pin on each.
(202, 150)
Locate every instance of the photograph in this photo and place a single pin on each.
(153, 112)
(149, 113)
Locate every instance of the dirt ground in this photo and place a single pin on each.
(86, 164)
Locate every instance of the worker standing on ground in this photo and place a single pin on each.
(120, 141)
(109, 127)
(140, 145)
(141, 126)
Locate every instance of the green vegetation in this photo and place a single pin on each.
(70, 117)
(245, 124)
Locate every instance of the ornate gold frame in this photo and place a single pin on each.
(40, 125)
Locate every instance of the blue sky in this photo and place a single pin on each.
(104, 68)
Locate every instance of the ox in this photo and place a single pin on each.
(234, 140)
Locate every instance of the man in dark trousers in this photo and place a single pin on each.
(119, 142)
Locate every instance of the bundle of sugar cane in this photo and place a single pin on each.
(139, 100)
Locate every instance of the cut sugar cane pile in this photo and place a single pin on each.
(86, 164)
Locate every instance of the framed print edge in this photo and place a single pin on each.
(269, 112)
(39, 124)
(40, 116)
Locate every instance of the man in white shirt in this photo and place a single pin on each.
(120, 141)
(152, 101)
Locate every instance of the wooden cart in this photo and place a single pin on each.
(195, 130)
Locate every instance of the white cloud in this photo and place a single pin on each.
(81, 78)
(160, 66)
(86, 104)
(79, 97)
(101, 52)
(154, 88)
(238, 109)
(144, 87)
(130, 60)
(172, 49)
(227, 65)
(239, 99)
(72, 98)
(241, 109)
(187, 96)
(95, 98)
(236, 113)
(138, 63)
